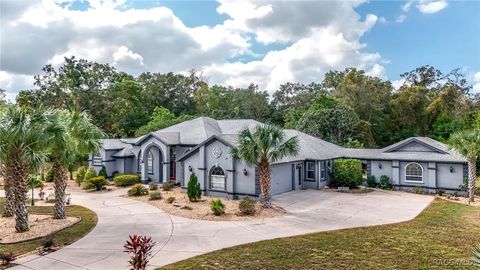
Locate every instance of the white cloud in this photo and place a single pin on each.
(314, 37)
(476, 82)
(398, 83)
(430, 7)
(13, 83)
(401, 18)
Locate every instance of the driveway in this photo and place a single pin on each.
(179, 238)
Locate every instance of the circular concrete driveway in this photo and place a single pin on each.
(179, 238)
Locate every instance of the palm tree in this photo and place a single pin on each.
(23, 142)
(467, 143)
(265, 145)
(78, 136)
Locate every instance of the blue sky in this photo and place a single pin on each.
(241, 42)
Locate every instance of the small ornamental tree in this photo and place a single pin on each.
(194, 191)
(80, 175)
(140, 248)
(103, 172)
(90, 174)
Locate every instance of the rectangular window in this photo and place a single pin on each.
(218, 182)
(97, 159)
(322, 170)
(310, 170)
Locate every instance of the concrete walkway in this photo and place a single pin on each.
(179, 238)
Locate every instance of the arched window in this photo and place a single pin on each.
(150, 163)
(413, 172)
(217, 178)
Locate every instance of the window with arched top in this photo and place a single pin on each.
(217, 178)
(414, 172)
(150, 163)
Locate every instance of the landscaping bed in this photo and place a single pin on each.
(87, 220)
(445, 233)
(201, 209)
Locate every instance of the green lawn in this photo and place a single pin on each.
(445, 230)
(60, 238)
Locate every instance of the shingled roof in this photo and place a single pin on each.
(200, 130)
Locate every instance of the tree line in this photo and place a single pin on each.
(347, 107)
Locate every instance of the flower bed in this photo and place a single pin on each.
(201, 210)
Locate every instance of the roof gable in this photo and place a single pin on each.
(417, 144)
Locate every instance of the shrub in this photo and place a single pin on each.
(167, 186)
(140, 248)
(217, 206)
(418, 190)
(49, 176)
(80, 175)
(153, 186)
(194, 191)
(7, 258)
(96, 183)
(126, 180)
(347, 173)
(50, 198)
(372, 181)
(171, 199)
(137, 190)
(247, 206)
(155, 195)
(440, 192)
(103, 172)
(385, 182)
(89, 174)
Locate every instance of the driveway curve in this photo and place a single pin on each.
(180, 238)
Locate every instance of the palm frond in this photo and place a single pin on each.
(476, 255)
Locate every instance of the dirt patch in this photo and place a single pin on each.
(40, 226)
(201, 209)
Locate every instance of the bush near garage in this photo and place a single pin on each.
(347, 173)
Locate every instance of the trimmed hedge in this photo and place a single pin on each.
(126, 180)
(347, 173)
(96, 183)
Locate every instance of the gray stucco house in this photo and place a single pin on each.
(203, 146)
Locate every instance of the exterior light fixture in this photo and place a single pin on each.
(380, 165)
(451, 169)
(299, 165)
(190, 168)
(245, 171)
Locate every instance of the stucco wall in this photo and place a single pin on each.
(447, 179)
(385, 170)
(435, 175)
(202, 161)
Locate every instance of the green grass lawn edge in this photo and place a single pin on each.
(444, 233)
(61, 238)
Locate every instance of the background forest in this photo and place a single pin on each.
(348, 107)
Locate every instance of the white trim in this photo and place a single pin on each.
(307, 170)
(217, 178)
(413, 181)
